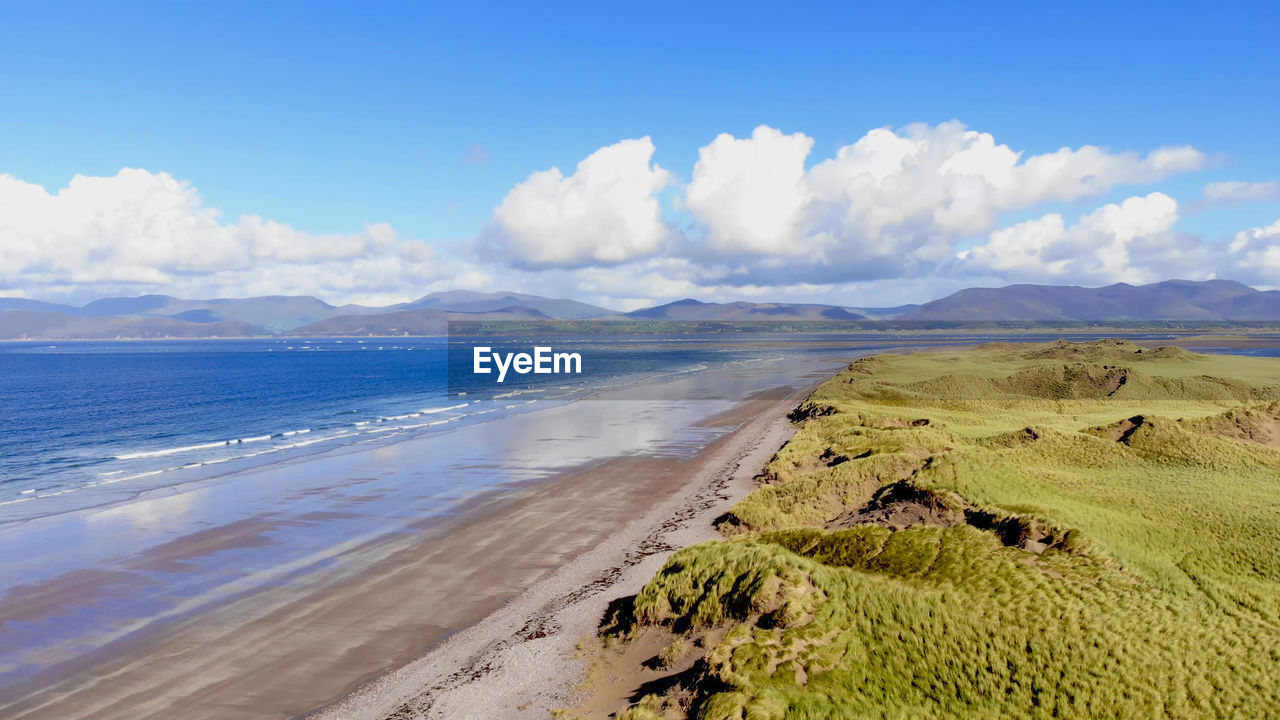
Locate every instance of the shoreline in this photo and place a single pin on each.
(309, 642)
(519, 661)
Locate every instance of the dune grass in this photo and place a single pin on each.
(1080, 531)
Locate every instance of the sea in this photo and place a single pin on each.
(80, 421)
(87, 423)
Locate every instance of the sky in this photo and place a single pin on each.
(627, 153)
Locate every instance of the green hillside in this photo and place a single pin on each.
(1031, 531)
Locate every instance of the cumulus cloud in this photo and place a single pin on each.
(893, 202)
(139, 231)
(1242, 192)
(605, 213)
(1131, 241)
(751, 192)
(1255, 253)
(885, 219)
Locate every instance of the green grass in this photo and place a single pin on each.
(1154, 591)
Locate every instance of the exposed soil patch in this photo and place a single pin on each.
(809, 410)
(1021, 532)
(1123, 430)
(624, 673)
(1116, 381)
(1258, 425)
(831, 458)
(866, 365)
(903, 505)
(890, 423)
(1015, 439)
(631, 661)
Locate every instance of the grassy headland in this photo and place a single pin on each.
(1041, 531)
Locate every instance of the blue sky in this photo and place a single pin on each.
(328, 117)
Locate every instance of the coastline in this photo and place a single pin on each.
(469, 611)
(309, 641)
(519, 660)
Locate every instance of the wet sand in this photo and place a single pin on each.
(305, 632)
(753, 405)
(311, 649)
(521, 661)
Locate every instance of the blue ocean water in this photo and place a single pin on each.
(75, 416)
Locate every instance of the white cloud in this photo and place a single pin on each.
(1242, 192)
(751, 193)
(1255, 253)
(605, 213)
(892, 203)
(1132, 241)
(1021, 248)
(139, 231)
(881, 221)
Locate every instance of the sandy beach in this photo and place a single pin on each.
(348, 600)
(520, 660)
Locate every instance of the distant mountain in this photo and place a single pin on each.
(166, 316)
(158, 316)
(408, 322)
(273, 312)
(1174, 300)
(45, 325)
(7, 303)
(473, 302)
(883, 313)
(141, 305)
(694, 310)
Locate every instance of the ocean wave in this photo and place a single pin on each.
(514, 393)
(201, 463)
(262, 442)
(169, 451)
(420, 413)
(208, 446)
(432, 411)
(433, 423)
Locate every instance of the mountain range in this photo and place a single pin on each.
(152, 316)
(694, 310)
(155, 316)
(1172, 300)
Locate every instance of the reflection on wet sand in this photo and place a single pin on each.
(266, 592)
